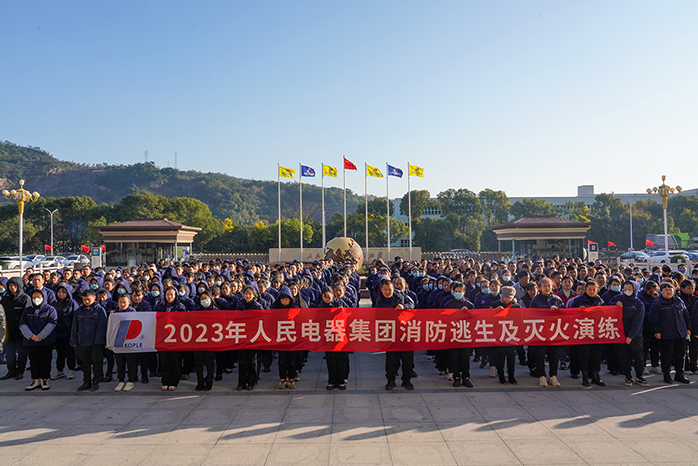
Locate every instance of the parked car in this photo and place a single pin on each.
(75, 259)
(34, 258)
(633, 257)
(12, 262)
(50, 261)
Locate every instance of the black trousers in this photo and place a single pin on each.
(693, 354)
(148, 363)
(65, 354)
(590, 358)
(521, 353)
(672, 351)
(630, 356)
(393, 360)
(574, 359)
(287, 364)
(204, 359)
(187, 362)
(124, 362)
(441, 360)
(109, 356)
(459, 362)
(502, 353)
(16, 355)
(264, 358)
(537, 354)
(171, 367)
(91, 360)
(247, 368)
(337, 367)
(40, 359)
(651, 346)
(225, 360)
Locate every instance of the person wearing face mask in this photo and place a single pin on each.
(459, 358)
(545, 300)
(170, 361)
(631, 350)
(247, 359)
(155, 295)
(505, 353)
(37, 324)
(671, 324)
(125, 361)
(589, 355)
(485, 301)
(65, 309)
(205, 359)
(147, 361)
(14, 302)
(88, 336)
(647, 295)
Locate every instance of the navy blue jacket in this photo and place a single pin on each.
(454, 303)
(669, 317)
(66, 311)
(540, 301)
(89, 326)
(394, 300)
(40, 321)
(633, 313)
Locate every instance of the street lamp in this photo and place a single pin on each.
(51, 212)
(21, 196)
(664, 191)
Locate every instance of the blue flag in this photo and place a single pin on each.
(307, 171)
(393, 171)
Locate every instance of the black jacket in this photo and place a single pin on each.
(14, 305)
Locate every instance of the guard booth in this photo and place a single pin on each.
(96, 257)
(543, 236)
(147, 240)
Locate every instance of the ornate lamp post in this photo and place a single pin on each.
(664, 191)
(51, 212)
(21, 196)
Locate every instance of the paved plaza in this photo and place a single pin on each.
(435, 424)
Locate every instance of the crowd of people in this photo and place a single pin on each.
(67, 311)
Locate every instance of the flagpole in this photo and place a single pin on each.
(344, 172)
(387, 204)
(324, 240)
(409, 209)
(300, 172)
(278, 175)
(366, 203)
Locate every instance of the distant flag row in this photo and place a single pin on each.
(327, 170)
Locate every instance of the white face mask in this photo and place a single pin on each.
(628, 292)
(38, 301)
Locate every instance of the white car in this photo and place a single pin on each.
(75, 259)
(50, 261)
(12, 262)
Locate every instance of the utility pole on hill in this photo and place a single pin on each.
(146, 155)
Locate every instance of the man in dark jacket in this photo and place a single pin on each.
(14, 302)
(633, 319)
(670, 325)
(88, 336)
(388, 298)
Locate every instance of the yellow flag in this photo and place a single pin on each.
(286, 172)
(416, 171)
(329, 171)
(373, 171)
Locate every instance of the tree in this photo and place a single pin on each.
(532, 207)
(376, 206)
(495, 206)
(420, 200)
(610, 221)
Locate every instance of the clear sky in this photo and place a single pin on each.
(533, 98)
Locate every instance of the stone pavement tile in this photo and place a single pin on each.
(238, 455)
(598, 409)
(356, 400)
(309, 415)
(209, 417)
(302, 454)
(689, 409)
(551, 410)
(466, 431)
(90, 400)
(47, 402)
(665, 394)
(493, 452)
(134, 402)
(595, 451)
(262, 415)
(363, 454)
(505, 413)
(357, 414)
(84, 435)
(507, 429)
(253, 432)
(267, 401)
(20, 416)
(677, 427)
(527, 397)
(70, 415)
(303, 433)
(446, 400)
(648, 410)
(407, 413)
(573, 396)
(113, 416)
(315, 400)
(34, 434)
(481, 398)
(12, 455)
(662, 450)
(366, 432)
(219, 401)
(462, 413)
(413, 431)
(421, 453)
(177, 455)
(160, 417)
(550, 451)
(576, 427)
(140, 435)
(400, 398)
(57, 455)
(114, 455)
(177, 400)
(190, 435)
(628, 428)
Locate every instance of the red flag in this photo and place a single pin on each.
(348, 165)
(611, 244)
(104, 247)
(84, 248)
(48, 247)
(649, 243)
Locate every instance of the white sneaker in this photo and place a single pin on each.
(35, 384)
(450, 377)
(645, 371)
(163, 388)
(57, 375)
(119, 387)
(493, 372)
(171, 388)
(128, 387)
(553, 381)
(542, 381)
(70, 376)
(688, 372)
(656, 370)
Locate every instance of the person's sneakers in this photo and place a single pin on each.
(542, 382)
(282, 384)
(128, 387)
(476, 358)
(467, 382)
(291, 384)
(95, 387)
(171, 388)
(667, 379)
(553, 381)
(57, 375)
(574, 376)
(7, 376)
(408, 385)
(645, 371)
(107, 378)
(585, 380)
(502, 379)
(84, 387)
(19, 376)
(512, 380)
(456, 383)
(163, 388)
(442, 372)
(641, 382)
(493, 372)
(70, 376)
(483, 364)
(628, 382)
(240, 387)
(249, 387)
(330, 387)
(119, 387)
(563, 366)
(208, 385)
(450, 377)
(218, 377)
(199, 386)
(596, 379)
(34, 385)
(390, 385)
(681, 378)
(184, 377)
(656, 370)
(145, 379)
(342, 386)
(44, 384)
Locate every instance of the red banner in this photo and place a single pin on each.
(372, 329)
